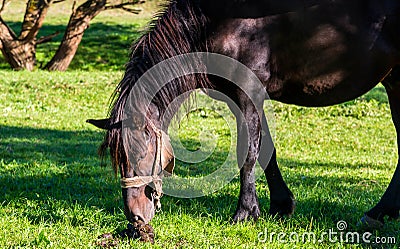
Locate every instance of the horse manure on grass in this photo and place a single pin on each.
(107, 240)
(138, 230)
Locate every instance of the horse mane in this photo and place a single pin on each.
(178, 29)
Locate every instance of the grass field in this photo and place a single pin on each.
(55, 193)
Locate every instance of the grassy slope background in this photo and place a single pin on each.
(337, 160)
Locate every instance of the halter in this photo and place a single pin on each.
(155, 178)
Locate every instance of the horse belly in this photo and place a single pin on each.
(331, 65)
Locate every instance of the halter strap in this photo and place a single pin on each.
(155, 178)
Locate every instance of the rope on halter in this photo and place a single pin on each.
(155, 178)
(137, 181)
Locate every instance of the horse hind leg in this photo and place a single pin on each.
(282, 202)
(389, 205)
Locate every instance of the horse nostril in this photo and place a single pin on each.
(137, 219)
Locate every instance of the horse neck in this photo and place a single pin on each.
(179, 30)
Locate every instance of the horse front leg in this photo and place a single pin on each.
(389, 205)
(248, 144)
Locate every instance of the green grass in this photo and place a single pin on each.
(56, 193)
(337, 161)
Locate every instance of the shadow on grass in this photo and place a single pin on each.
(351, 184)
(342, 198)
(29, 145)
(51, 166)
(222, 204)
(103, 47)
(43, 164)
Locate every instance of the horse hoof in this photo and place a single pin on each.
(282, 209)
(371, 223)
(246, 215)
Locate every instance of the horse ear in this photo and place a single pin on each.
(167, 155)
(100, 123)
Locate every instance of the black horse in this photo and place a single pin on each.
(310, 53)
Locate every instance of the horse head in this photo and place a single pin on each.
(151, 157)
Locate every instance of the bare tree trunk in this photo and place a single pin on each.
(20, 51)
(78, 23)
(19, 54)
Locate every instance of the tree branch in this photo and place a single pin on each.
(3, 5)
(123, 6)
(47, 38)
(5, 30)
(41, 9)
(73, 7)
(133, 11)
